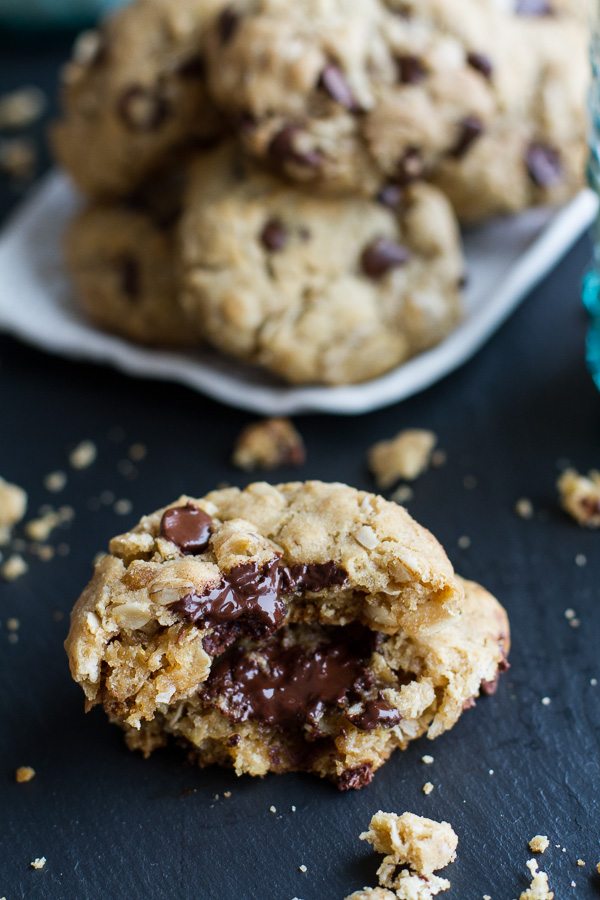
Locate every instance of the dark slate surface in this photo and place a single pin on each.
(113, 825)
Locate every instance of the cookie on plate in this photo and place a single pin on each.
(307, 627)
(345, 94)
(134, 93)
(122, 258)
(315, 288)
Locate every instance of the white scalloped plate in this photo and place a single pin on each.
(505, 259)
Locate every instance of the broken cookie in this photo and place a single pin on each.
(304, 627)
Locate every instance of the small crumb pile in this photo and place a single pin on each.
(580, 496)
(539, 889)
(414, 848)
(405, 456)
(268, 444)
(539, 843)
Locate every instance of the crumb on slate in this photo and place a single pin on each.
(580, 496)
(13, 568)
(405, 456)
(539, 843)
(55, 481)
(546, 701)
(13, 503)
(539, 889)
(83, 455)
(427, 760)
(38, 863)
(24, 774)
(18, 158)
(427, 788)
(580, 560)
(268, 444)
(402, 495)
(524, 508)
(123, 507)
(581, 863)
(464, 542)
(22, 107)
(303, 868)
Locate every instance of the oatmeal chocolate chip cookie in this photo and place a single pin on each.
(317, 288)
(123, 262)
(301, 627)
(345, 93)
(133, 93)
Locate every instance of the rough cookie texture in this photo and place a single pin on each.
(134, 93)
(405, 456)
(268, 444)
(334, 599)
(317, 289)
(124, 263)
(539, 889)
(414, 848)
(13, 503)
(580, 496)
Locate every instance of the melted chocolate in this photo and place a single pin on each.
(356, 778)
(284, 149)
(471, 128)
(377, 714)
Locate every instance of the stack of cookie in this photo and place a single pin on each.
(285, 180)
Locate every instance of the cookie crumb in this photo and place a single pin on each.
(13, 568)
(123, 507)
(13, 503)
(427, 760)
(464, 542)
(83, 455)
(21, 107)
(40, 529)
(18, 158)
(598, 868)
(570, 614)
(581, 560)
(273, 809)
(593, 682)
(580, 496)
(268, 444)
(303, 868)
(405, 456)
(24, 774)
(293, 808)
(524, 508)
(55, 482)
(439, 458)
(403, 494)
(427, 788)
(13, 624)
(581, 863)
(539, 889)
(137, 452)
(539, 843)
(38, 863)
(546, 701)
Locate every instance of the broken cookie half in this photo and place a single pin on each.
(300, 627)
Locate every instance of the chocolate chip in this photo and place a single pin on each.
(274, 235)
(410, 166)
(376, 714)
(356, 778)
(481, 63)
(335, 83)
(284, 148)
(233, 740)
(390, 195)
(383, 255)
(193, 67)
(489, 688)
(411, 69)
(129, 273)
(471, 128)
(533, 8)
(227, 24)
(186, 526)
(544, 165)
(142, 108)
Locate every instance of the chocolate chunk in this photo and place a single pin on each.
(186, 526)
(253, 599)
(489, 688)
(142, 108)
(390, 195)
(284, 148)
(291, 686)
(356, 778)
(227, 24)
(383, 255)
(376, 714)
(411, 69)
(233, 740)
(410, 166)
(333, 81)
(274, 235)
(129, 274)
(544, 165)
(471, 128)
(481, 63)
(533, 8)
(194, 67)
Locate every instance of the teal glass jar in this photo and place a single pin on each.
(591, 283)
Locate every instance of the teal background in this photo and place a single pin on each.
(35, 14)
